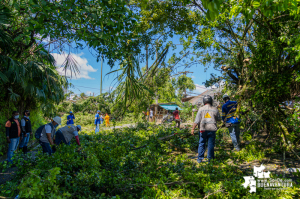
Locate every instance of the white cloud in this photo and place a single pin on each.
(193, 77)
(200, 88)
(109, 89)
(82, 62)
(89, 93)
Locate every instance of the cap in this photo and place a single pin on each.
(98, 111)
(57, 119)
(71, 112)
(78, 126)
(225, 96)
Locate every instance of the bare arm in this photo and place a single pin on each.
(49, 138)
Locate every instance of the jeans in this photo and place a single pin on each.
(97, 128)
(234, 131)
(24, 141)
(209, 136)
(13, 145)
(101, 121)
(46, 147)
(60, 137)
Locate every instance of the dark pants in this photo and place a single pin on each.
(46, 147)
(178, 122)
(209, 136)
(59, 137)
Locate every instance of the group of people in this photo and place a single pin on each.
(18, 133)
(99, 120)
(175, 113)
(207, 118)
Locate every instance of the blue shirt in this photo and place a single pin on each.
(70, 119)
(228, 111)
(97, 119)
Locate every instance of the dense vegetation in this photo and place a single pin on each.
(135, 163)
(255, 44)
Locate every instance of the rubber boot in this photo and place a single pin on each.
(25, 149)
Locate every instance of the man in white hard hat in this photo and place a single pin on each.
(47, 135)
(67, 133)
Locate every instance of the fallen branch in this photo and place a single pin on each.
(168, 183)
(220, 190)
(139, 147)
(180, 149)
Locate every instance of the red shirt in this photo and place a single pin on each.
(176, 115)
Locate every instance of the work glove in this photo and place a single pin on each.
(8, 140)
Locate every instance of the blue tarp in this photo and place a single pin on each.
(171, 107)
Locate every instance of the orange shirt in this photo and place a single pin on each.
(8, 124)
(106, 118)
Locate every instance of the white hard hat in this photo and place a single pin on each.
(224, 96)
(78, 126)
(57, 119)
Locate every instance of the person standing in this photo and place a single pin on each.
(70, 118)
(47, 135)
(206, 118)
(148, 114)
(66, 134)
(231, 121)
(106, 120)
(177, 117)
(97, 121)
(151, 115)
(26, 131)
(13, 133)
(101, 119)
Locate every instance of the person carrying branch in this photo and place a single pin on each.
(206, 118)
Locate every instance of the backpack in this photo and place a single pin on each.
(38, 132)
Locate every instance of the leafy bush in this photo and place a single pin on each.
(132, 163)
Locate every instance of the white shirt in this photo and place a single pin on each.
(151, 113)
(48, 128)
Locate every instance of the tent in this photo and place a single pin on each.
(170, 107)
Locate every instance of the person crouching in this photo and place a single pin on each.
(66, 134)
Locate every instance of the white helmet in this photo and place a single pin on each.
(224, 96)
(78, 126)
(57, 119)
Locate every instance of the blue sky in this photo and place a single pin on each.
(88, 81)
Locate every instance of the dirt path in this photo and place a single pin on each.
(9, 173)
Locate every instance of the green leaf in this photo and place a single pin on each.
(255, 4)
